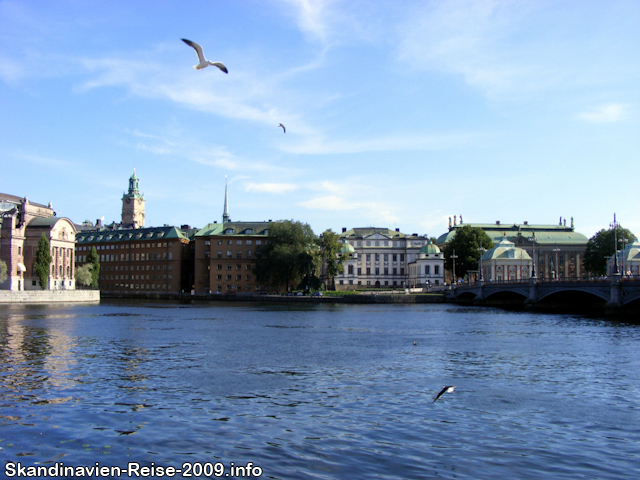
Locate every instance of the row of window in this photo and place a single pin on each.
(135, 257)
(138, 286)
(124, 246)
(134, 277)
(381, 243)
(229, 254)
(230, 266)
(125, 268)
(238, 277)
(230, 242)
(394, 271)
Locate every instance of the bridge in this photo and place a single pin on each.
(616, 294)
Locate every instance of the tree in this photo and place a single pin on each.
(289, 257)
(94, 261)
(331, 253)
(3, 271)
(601, 246)
(83, 275)
(466, 244)
(42, 262)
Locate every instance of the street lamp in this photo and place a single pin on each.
(481, 249)
(623, 240)
(557, 261)
(453, 258)
(533, 240)
(614, 225)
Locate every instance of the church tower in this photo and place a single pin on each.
(133, 205)
(225, 212)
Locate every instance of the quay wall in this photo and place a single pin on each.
(49, 296)
(401, 298)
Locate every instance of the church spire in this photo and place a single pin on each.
(225, 213)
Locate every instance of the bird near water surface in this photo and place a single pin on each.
(447, 389)
(203, 61)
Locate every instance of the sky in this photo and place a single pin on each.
(398, 114)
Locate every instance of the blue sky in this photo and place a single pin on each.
(399, 114)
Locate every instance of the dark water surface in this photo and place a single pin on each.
(320, 391)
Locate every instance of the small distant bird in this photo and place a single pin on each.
(283, 129)
(203, 61)
(415, 343)
(447, 389)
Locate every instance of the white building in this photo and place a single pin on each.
(428, 268)
(380, 258)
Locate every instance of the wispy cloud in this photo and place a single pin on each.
(275, 188)
(332, 203)
(44, 161)
(608, 113)
(316, 145)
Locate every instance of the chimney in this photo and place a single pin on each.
(99, 223)
(397, 230)
(526, 222)
(344, 229)
(497, 222)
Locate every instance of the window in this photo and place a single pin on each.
(402, 257)
(377, 271)
(436, 269)
(394, 257)
(219, 254)
(207, 242)
(377, 257)
(385, 257)
(350, 269)
(427, 269)
(386, 271)
(368, 257)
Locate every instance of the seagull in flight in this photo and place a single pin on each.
(203, 61)
(447, 389)
(283, 129)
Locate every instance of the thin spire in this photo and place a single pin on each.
(225, 213)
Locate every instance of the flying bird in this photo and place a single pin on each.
(447, 389)
(203, 61)
(283, 129)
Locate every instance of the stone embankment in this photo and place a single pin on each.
(353, 298)
(49, 296)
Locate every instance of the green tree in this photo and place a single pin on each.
(331, 253)
(601, 246)
(3, 271)
(83, 275)
(466, 244)
(42, 262)
(289, 257)
(94, 260)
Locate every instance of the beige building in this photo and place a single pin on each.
(628, 260)
(505, 262)
(559, 249)
(23, 223)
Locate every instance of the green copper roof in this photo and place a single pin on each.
(430, 249)
(506, 249)
(545, 234)
(234, 228)
(130, 235)
(366, 232)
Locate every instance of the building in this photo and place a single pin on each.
(133, 205)
(23, 223)
(380, 258)
(428, 268)
(504, 262)
(559, 249)
(155, 259)
(628, 260)
(224, 254)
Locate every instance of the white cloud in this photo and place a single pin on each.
(275, 188)
(332, 202)
(611, 112)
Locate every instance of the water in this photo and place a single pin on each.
(320, 391)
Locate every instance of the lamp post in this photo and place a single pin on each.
(533, 240)
(481, 249)
(557, 250)
(623, 240)
(453, 260)
(614, 225)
